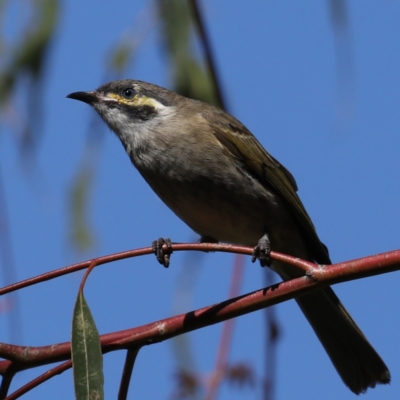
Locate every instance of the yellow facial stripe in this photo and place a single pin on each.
(136, 101)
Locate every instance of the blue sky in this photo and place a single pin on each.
(277, 61)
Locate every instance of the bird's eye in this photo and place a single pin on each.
(128, 93)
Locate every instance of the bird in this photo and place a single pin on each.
(213, 173)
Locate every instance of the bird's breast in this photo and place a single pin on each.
(216, 197)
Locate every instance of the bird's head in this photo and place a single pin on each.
(131, 107)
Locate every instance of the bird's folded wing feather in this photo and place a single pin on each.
(242, 145)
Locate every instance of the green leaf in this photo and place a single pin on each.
(87, 358)
(81, 235)
(190, 76)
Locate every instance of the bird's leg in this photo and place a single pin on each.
(261, 252)
(162, 255)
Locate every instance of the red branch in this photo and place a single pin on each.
(316, 277)
(226, 248)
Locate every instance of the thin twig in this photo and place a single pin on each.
(131, 355)
(39, 380)
(6, 381)
(225, 248)
(272, 329)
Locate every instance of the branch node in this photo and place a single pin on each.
(316, 273)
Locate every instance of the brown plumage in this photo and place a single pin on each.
(215, 175)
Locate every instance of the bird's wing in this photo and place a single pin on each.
(242, 144)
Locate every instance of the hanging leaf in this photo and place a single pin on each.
(87, 358)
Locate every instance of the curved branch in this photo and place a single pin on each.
(23, 357)
(39, 380)
(225, 248)
(130, 358)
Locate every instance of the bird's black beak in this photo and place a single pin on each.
(86, 97)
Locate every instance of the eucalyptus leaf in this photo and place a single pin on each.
(87, 358)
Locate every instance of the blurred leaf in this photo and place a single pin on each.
(81, 235)
(190, 77)
(28, 55)
(240, 374)
(345, 60)
(87, 358)
(338, 13)
(187, 385)
(24, 65)
(122, 55)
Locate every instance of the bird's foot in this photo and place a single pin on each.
(261, 252)
(162, 255)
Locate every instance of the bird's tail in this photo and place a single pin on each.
(356, 361)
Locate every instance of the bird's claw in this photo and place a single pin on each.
(261, 252)
(162, 255)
